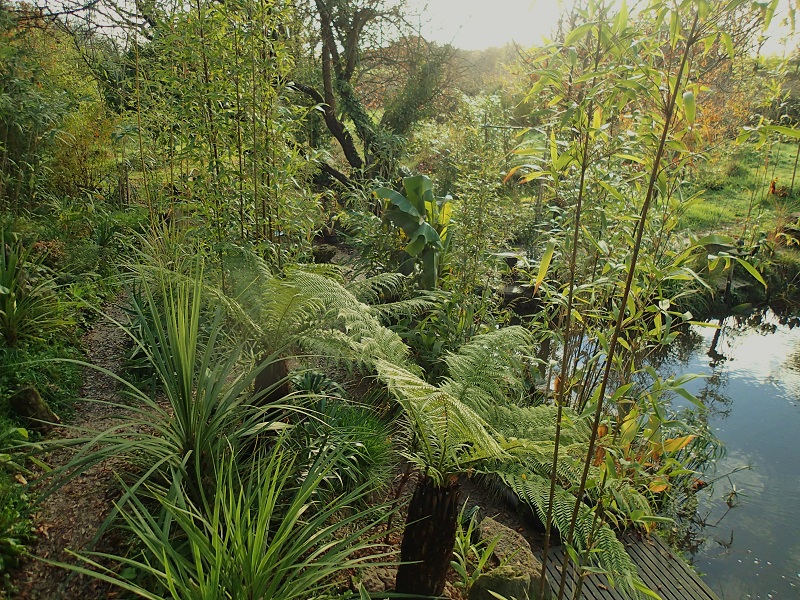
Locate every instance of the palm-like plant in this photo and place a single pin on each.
(259, 533)
(310, 307)
(209, 409)
(219, 515)
(28, 306)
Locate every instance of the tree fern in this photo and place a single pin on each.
(490, 367)
(450, 436)
(374, 290)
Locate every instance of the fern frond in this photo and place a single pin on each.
(330, 292)
(608, 552)
(373, 290)
(329, 271)
(452, 436)
(287, 312)
(491, 365)
(371, 338)
(403, 308)
(536, 422)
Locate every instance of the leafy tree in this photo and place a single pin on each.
(41, 85)
(351, 34)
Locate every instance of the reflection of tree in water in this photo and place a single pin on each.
(685, 346)
(792, 361)
(762, 322)
(688, 530)
(729, 329)
(712, 396)
(703, 524)
(716, 356)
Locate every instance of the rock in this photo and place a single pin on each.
(509, 582)
(28, 404)
(512, 549)
(519, 570)
(378, 579)
(323, 253)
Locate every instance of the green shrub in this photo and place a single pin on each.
(29, 307)
(16, 525)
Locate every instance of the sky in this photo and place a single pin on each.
(478, 24)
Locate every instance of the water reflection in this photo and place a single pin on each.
(745, 534)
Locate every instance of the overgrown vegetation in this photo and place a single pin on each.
(491, 315)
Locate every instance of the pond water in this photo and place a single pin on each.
(749, 546)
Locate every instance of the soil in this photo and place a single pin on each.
(68, 520)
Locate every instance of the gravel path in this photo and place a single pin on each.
(70, 517)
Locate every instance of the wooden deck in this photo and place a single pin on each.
(659, 569)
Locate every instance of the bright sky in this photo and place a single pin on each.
(478, 24)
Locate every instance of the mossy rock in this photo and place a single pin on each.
(519, 571)
(324, 253)
(29, 406)
(512, 548)
(510, 581)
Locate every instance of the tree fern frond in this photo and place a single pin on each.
(372, 339)
(451, 435)
(607, 551)
(536, 422)
(403, 308)
(329, 271)
(374, 290)
(286, 312)
(333, 295)
(493, 363)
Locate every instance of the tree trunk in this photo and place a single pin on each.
(428, 539)
(270, 384)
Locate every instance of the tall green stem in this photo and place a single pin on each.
(612, 346)
(573, 261)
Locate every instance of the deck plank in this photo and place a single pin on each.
(659, 569)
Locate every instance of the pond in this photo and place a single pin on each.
(749, 538)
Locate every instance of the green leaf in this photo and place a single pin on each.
(621, 22)
(787, 131)
(544, 264)
(398, 200)
(642, 588)
(684, 393)
(419, 190)
(674, 28)
(405, 221)
(578, 33)
(421, 237)
(727, 41)
(689, 106)
(752, 270)
(722, 240)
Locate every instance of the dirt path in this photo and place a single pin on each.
(69, 518)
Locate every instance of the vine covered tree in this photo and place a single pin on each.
(357, 71)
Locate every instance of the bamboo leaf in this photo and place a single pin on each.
(578, 33)
(727, 41)
(544, 265)
(752, 270)
(675, 444)
(689, 106)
